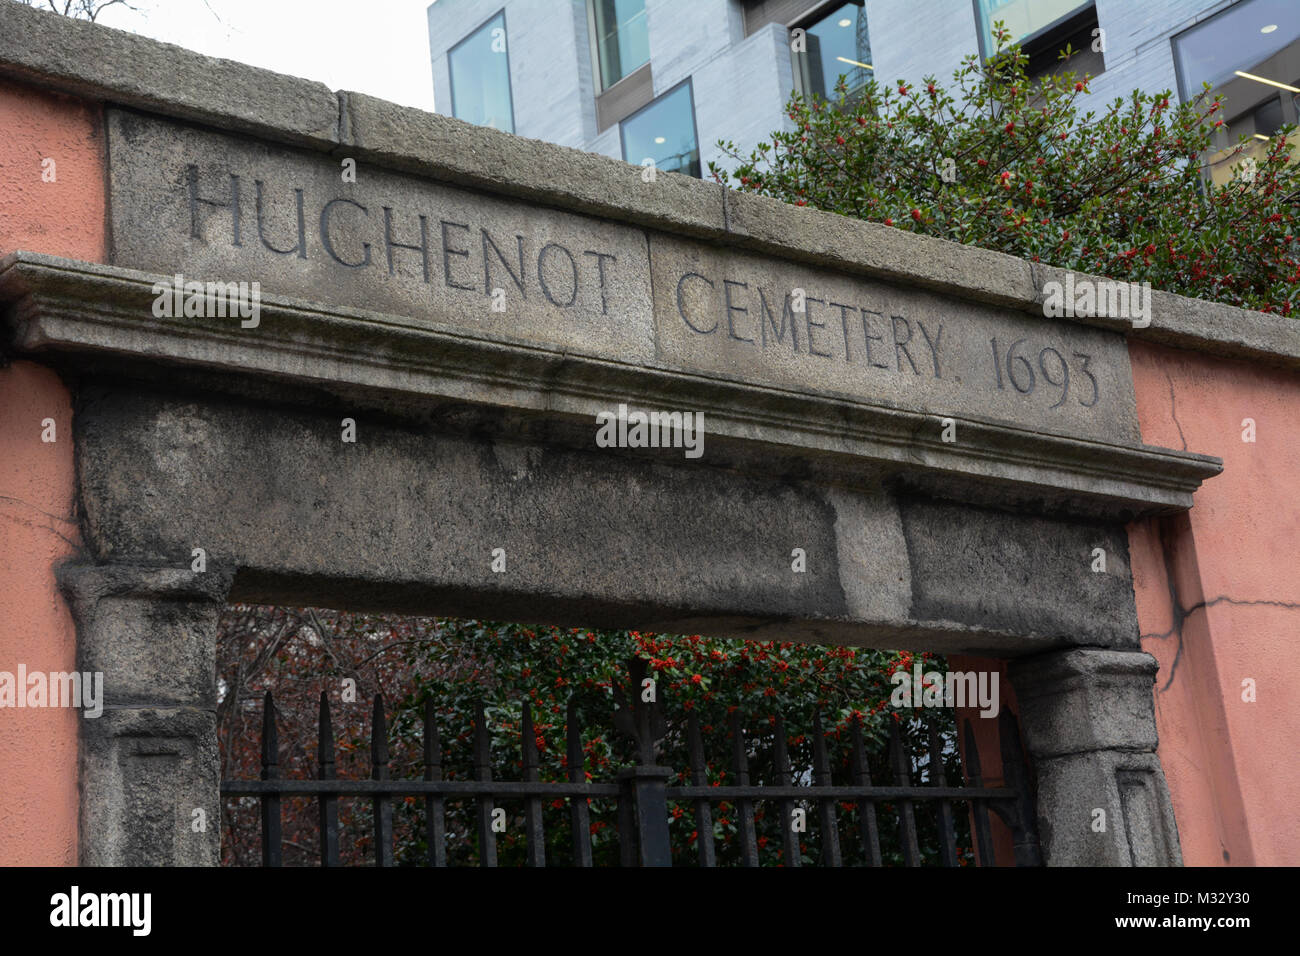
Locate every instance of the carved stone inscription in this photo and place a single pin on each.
(731, 312)
(217, 207)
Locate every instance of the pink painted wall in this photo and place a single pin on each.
(64, 217)
(1218, 598)
(38, 747)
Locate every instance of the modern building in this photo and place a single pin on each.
(668, 79)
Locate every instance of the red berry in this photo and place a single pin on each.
(1010, 127)
(889, 222)
(916, 214)
(1078, 87)
(840, 140)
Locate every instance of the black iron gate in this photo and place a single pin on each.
(644, 790)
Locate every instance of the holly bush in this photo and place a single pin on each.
(1008, 163)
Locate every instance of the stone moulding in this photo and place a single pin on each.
(62, 306)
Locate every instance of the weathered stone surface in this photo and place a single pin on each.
(1129, 788)
(1087, 699)
(97, 315)
(143, 774)
(1220, 329)
(1088, 721)
(149, 631)
(387, 242)
(596, 533)
(408, 516)
(218, 209)
(1021, 573)
(452, 150)
(831, 240)
(150, 760)
(99, 63)
(735, 314)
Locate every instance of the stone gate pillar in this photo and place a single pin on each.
(150, 761)
(1088, 719)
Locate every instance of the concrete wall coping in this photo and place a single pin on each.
(115, 67)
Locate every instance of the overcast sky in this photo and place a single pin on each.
(379, 47)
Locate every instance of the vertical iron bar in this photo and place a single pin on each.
(866, 808)
(700, 778)
(903, 778)
(947, 835)
(328, 805)
(826, 805)
(744, 805)
(979, 808)
(381, 805)
(533, 833)
(627, 848)
(271, 836)
(579, 813)
(487, 844)
(1016, 774)
(435, 823)
(781, 757)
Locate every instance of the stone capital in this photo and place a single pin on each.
(149, 764)
(1088, 720)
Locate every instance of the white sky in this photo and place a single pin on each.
(380, 47)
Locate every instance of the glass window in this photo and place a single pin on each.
(480, 77)
(622, 39)
(1022, 17)
(1235, 40)
(836, 45)
(665, 132)
(1267, 117)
